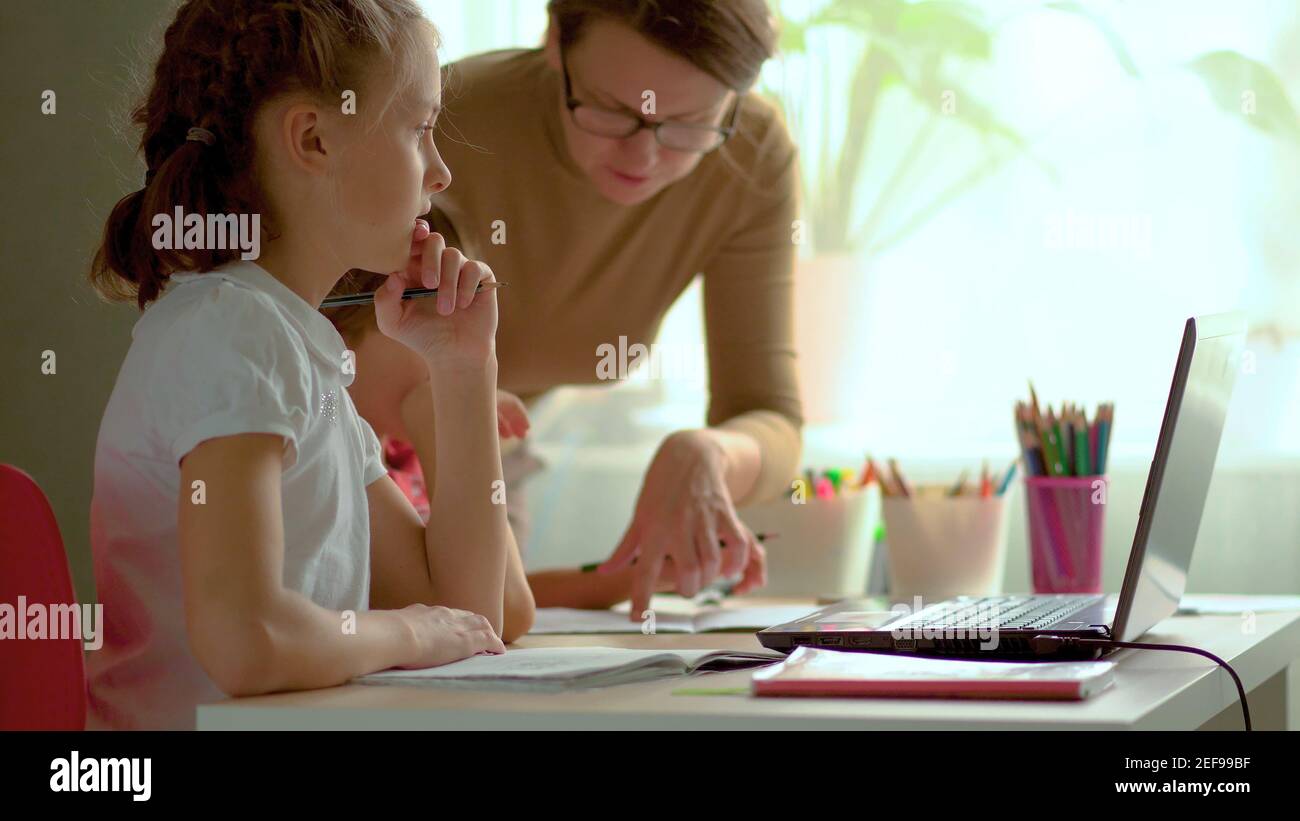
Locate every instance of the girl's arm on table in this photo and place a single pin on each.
(400, 572)
(250, 633)
(470, 557)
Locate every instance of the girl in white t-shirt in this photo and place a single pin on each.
(246, 536)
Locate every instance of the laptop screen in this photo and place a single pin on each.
(1179, 480)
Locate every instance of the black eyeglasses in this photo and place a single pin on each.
(686, 137)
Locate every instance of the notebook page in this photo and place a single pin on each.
(568, 620)
(749, 619)
(548, 668)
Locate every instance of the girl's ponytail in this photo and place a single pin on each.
(129, 264)
(116, 273)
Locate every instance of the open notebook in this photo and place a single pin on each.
(811, 672)
(551, 669)
(560, 620)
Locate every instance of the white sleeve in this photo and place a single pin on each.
(235, 367)
(374, 464)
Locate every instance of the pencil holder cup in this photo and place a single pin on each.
(824, 547)
(943, 546)
(1065, 515)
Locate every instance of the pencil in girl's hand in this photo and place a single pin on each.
(368, 297)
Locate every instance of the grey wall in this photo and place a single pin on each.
(60, 175)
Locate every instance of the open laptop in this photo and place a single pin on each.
(1001, 627)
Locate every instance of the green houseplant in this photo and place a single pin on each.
(860, 199)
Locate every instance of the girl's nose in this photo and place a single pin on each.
(437, 182)
(438, 176)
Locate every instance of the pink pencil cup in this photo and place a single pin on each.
(1065, 517)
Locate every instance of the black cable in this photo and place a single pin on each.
(1049, 643)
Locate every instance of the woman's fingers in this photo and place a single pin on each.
(686, 556)
(644, 579)
(624, 553)
(755, 572)
(737, 539)
(706, 547)
(667, 576)
(512, 416)
(507, 427)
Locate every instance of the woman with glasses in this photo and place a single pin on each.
(599, 175)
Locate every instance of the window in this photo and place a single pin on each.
(968, 264)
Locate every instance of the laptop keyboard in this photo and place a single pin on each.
(1011, 612)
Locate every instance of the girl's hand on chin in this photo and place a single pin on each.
(457, 328)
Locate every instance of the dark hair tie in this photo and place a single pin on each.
(195, 134)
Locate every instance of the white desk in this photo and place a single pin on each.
(1153, 691)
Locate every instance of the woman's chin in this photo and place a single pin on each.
(621, 194)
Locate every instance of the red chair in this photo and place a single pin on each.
(42, 682)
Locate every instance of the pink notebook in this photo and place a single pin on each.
(812, 672)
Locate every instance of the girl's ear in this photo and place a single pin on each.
(303, 138)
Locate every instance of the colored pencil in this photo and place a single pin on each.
(1006, 480)
(904, 489)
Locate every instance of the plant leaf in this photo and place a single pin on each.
(946, 27)
(793, 38)
(1107, 31)
(930, 91)
(953, 192)
(1248, 90)
(877, 15)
